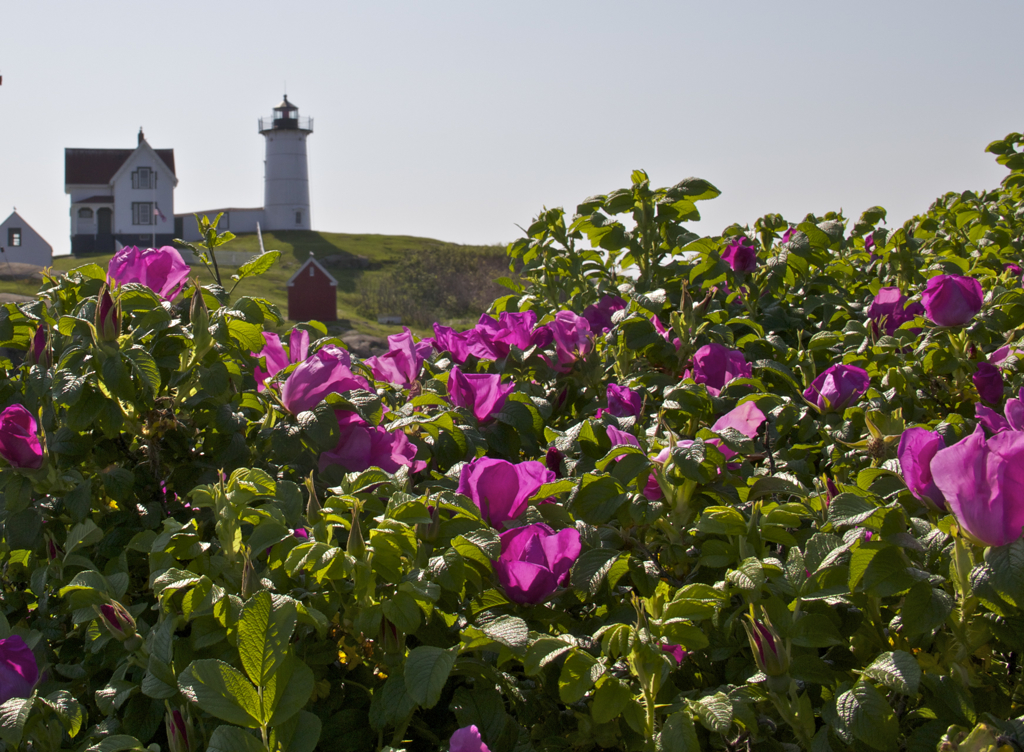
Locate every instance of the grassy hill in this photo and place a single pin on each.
(384, 254)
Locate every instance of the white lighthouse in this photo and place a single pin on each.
(285, 169)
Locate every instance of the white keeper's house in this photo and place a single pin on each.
(120, 197)
(126, 196)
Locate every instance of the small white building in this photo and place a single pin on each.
(120, 196)
(20, 244)
(285, 181)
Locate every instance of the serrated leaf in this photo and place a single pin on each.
(233, 739)
(426, 672)
(610, 699)
(678, 734)
(868, 717)
(579, 673)
(542, 652)
(13, 715)
(222, 691)
(508, 630)
(257, 265)
(591, 567)
(897, 670)
(117, 743)
(264, 630)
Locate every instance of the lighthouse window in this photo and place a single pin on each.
(13, 236)
(85, 213)
(144, 177)
(298, 218)
(142, 212)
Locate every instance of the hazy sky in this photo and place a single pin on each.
(460, 120)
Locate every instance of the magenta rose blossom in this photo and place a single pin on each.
(917, 448)
(535, 561)
(401, 364)
(19, 438)
(951, 300)
(477, 342)
(989, 382)
(572, 339)
(891, 306)
(361, 446)
(622, 402)
(501, 490)
(716, 365)
(1013, 269)
(483, 393)
(1013, 412)
(599, 315)
(837, 387)
(983, 482)
(467, 739)
(741, 256)
(326, 372)
(277, 359)
(162, 270)
(18, 669)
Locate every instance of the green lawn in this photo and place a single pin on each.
(295, 247)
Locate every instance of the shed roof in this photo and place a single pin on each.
(318, 265)
(98, 166)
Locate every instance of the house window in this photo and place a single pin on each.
(144, 177)
(142, 212)
(13, 236)
(85, 213)
(298, 218)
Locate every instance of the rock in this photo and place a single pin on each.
(364, 345)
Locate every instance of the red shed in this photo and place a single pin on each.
(312, 293)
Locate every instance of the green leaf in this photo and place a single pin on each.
(1007, 565)
(68, 710)
(264, 630)
(597, 498)
(13, 715)
(777, 484)
(402, 610)
(580, 672)
(510, 631)
(257, 265)
(715, 712)
(117, 743)
(610, 699)
(482, 707)
(145, 368)
(288, 690)
(816, 631)
(925, 609)
(898, 671)
(221, 691)
(234, 739)
(867, 715)
(426, 672)
(249, 336)
(300, 734)
(542, 652)
(591, 568)
(678, 734)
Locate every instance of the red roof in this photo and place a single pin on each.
(97, 166)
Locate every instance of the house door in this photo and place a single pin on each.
(104, 233)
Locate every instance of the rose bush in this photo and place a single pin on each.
(662, 495)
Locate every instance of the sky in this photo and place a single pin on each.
(461, 121)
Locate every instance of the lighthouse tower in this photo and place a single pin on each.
(285, 170)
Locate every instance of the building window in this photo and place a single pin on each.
(85, 213)
(142, 212)
(144, 177)
(298, 218)
(13, 236)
